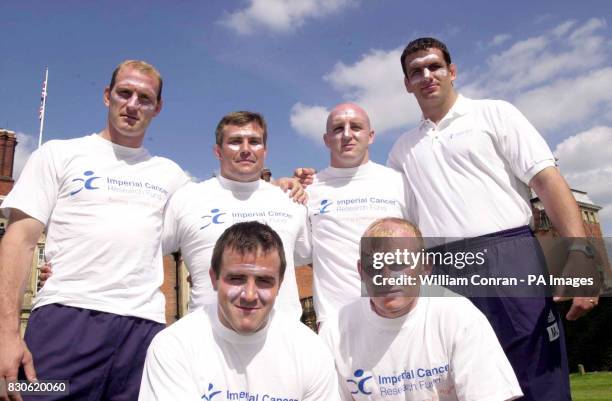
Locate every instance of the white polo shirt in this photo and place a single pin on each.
(469, 173)
(197, 215)
(342, 203)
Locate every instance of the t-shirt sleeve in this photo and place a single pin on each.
(166, 375)
(525, 150)
(35, 192)
(302, 254)
(170, 236)
(393, 160)
(322, 383)
(481, 369)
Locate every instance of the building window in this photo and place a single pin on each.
(41, 255)
(544, 221)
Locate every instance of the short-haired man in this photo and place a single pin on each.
(469, 164)
(343, 200)
(199, 212)
(239, 347)
(397, 345)
(101, 199)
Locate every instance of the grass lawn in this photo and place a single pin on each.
(595, 386)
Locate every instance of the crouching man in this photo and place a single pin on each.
(397, 344)
(238, 347)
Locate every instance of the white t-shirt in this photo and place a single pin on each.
(342, 203)
(444, 349)
(469, 173)
(103, 207)
(198, 214)
(197, 358)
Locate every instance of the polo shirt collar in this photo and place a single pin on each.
(460, 108)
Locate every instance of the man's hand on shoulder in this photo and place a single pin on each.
(305, 175)
(296, 190)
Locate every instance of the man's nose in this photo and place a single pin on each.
(133, 101)
(249, 291)
(346, 133)
(427, 74)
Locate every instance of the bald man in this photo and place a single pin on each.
(397, 344)
(344, 199)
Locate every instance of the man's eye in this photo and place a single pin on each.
(124, 94)
(145, 100)
(255, 142)
(414, 74)
(435, 67)
(266, 281)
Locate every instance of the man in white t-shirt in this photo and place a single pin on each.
(239, 347)
(398, 345)
(343, 200)
(469, 165)
(101, 199)
(198, 213)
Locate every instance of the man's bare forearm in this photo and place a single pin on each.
(16, 250)
(559, 203)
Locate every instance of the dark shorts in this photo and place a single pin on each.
(528, 327)
(101, 354)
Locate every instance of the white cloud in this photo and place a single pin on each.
(499, 39)
(559, 79)
(375, 82)
(585, 160)
(281, 15)
(309, 121)
(26, 144)
(567, 101)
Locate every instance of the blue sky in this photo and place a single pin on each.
(294, 59)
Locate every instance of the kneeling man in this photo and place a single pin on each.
(397, 345)
(238, 347)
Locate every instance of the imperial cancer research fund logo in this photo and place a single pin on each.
(213, 218)
(325, 203)
(87, 182)
(210, 393)
(358, 385)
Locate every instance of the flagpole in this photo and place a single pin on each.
(43, 101)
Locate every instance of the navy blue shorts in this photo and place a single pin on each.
(528, 328)
(101, 354)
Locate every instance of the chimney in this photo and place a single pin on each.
(8, 141)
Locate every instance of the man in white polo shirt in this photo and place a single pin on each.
(240, 347)
(198, 213)
(101, 198)
(399, 345)
(343, 200)
(469, 165)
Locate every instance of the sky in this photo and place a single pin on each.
(293, 60)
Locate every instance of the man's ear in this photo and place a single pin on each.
(326, 139)
(213, 278)
(360, 270)
(371, 137)
(159, 106)
(106, 96)
(217, 151)
(452, 70)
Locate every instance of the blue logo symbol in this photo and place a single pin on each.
(325, 203)
(87, 181)
(210, 395)
(214, 218)
(360, 385)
